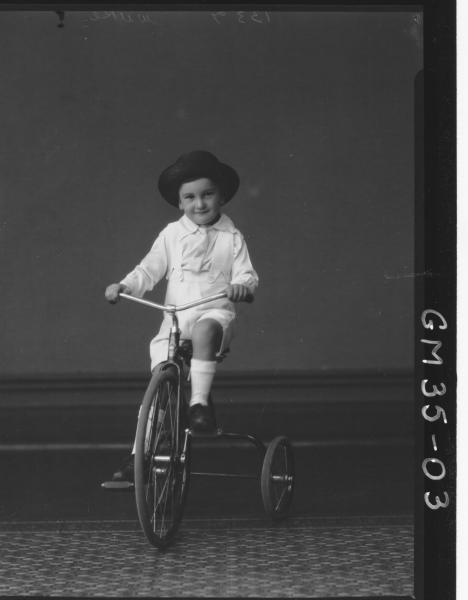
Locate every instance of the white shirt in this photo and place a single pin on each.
(207, 259)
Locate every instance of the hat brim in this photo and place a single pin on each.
(180, 172)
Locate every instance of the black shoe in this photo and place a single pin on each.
(201, 418)
(126, 471)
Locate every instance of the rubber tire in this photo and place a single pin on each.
(180, 474)
(270, 501)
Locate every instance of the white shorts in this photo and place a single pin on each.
(159, 346)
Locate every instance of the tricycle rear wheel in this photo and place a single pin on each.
(277, 478)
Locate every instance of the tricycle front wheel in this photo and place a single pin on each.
(162, 464)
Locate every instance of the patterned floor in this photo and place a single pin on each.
(302, 557)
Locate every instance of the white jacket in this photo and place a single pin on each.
(197, 262)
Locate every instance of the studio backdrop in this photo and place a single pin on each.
(314, 110)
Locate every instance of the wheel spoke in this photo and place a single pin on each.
(147, 489)
(155, 495)
(172, 413)
(280, 499)
(156, 503)
(164, 494)
(149, 433)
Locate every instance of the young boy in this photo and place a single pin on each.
(200, 254)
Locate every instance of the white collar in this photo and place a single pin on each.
(224, 223)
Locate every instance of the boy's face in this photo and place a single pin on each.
(201, 201)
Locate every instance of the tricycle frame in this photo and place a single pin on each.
(169, 455)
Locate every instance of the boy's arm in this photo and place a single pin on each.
(149, 272)
(243, 273)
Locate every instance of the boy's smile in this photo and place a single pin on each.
(201, 201)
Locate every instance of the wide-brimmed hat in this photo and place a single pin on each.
(195, 165)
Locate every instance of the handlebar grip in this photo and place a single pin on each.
(249, 298)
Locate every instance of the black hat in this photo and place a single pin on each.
(195, 165)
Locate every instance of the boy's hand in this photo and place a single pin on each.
(238, 293)
(113, 290)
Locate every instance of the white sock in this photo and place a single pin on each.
(202, 373)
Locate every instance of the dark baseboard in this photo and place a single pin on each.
(36, 384)
(339, 407)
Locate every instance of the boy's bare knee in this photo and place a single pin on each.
(206, 339)
(206, 331)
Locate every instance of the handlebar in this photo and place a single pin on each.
(172, 308)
